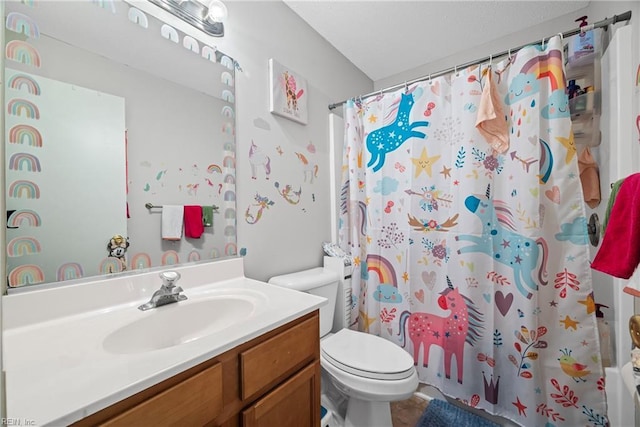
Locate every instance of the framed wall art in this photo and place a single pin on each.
(288, 93)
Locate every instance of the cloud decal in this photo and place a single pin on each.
(558, 106)
(522, 86)
(574, 232)
(386, 186)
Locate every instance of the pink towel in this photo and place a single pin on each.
(490, 120)
(193, 226)
(619, 254)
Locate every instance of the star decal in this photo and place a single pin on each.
(405, 277)
(456, 182)
(424, 163)
(369, 239)
(446, 172)
(553, 303)
(570, 323)
(584, 343)
(520, 406)
(570, 258)
(373, 118)
(538, 390)
(356, 261)
(366, 321)
(518, 260)
(589, 303)
(570, 145)
(505, 243)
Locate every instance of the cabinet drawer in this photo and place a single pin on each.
(273, 360)
(194, 401)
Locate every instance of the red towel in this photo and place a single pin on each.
(619, 254)
(193, 226)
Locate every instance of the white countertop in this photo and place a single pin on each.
(57, 370)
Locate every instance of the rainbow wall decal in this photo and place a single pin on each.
(28, 3)
(226, 61)
(23, 187)
(140, 260)
(226, 78)
(229, 146)
(69, 271)
(227, 112)
(194, 256)
(214, 168)
(20, 217)
(19, 23)
(229, 196)
(105, 4)
(23, 52)
(170, 258)
(19, 134)
(227, 128)
(638, 76)
(230, 213)
(229, 162)
(383, 268)
(215, 253)
(230, 231)
(228, 96)
(24, 162)
(138, 17)
(28, 274)
(21, 246)
(191, 44)
(110, 265)
(20, 81)
(230, 249)
(229, 179)
(209, 53)
(17, 107)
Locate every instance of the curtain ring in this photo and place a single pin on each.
(509, 54)
(490, 60)
(455, 70)
(429, 79)
(406, 88)
(542, 44)
(561, 37)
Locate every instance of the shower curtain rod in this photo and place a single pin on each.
(604, 23)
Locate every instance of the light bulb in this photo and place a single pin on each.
(217, 11)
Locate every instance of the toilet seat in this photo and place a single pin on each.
(367, 356)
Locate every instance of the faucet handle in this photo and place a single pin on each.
(169, 278)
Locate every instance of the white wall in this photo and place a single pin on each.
(287, 237)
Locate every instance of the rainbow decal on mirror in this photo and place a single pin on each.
(209, 53)
(214, 168)
(28, 3)
(138, 17)
(21, 246)
(169, 33)
(105, 4)
(19, 134)
(24, 217)
(23, 187)
(28, 274)
(227, 128)
(230, 213)
(229, 179)
(229, 162)
(226, 61)
(229, 196)
(226, 78)
(19, 23)
(20, 81)
(110, 265)
(140, 260)
(228, 96)
(229, 231)
(194, 256)
(215, 253)
(170, 258)
(229, 146)
(17, 106)
(227, 112)
(191, 44)
(230, 249)
(24, 162)
(69, 271)
(383, 268)
(23, 52)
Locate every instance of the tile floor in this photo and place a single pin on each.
(406, 413)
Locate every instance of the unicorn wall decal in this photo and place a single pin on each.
(309, 169)
(258, 158)
(462, 325)
(388, 138)
(504, 244)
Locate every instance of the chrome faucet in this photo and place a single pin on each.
(168, 292)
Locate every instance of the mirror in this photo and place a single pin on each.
(111, 114)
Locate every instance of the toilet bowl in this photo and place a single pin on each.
(370, 371)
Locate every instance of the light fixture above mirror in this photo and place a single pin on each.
(206, 15)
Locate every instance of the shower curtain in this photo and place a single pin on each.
(470, 248)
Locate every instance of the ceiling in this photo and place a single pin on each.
(384, 38)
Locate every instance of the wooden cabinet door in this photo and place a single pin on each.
(295, 403)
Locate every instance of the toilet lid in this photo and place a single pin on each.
(367, 355)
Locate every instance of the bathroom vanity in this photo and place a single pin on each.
(236, 352)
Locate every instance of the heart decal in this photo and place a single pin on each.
(390, 330)
(503, 302)
(553, 194)
(429, 279)
(435, 87)
(420, 295)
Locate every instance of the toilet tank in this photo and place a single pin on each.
(317, 281)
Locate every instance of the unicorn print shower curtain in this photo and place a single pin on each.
(470, 249)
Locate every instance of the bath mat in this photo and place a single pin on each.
(443, 414)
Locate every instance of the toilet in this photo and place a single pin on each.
(368, 371)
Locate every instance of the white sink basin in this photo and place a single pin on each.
(178, 323)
